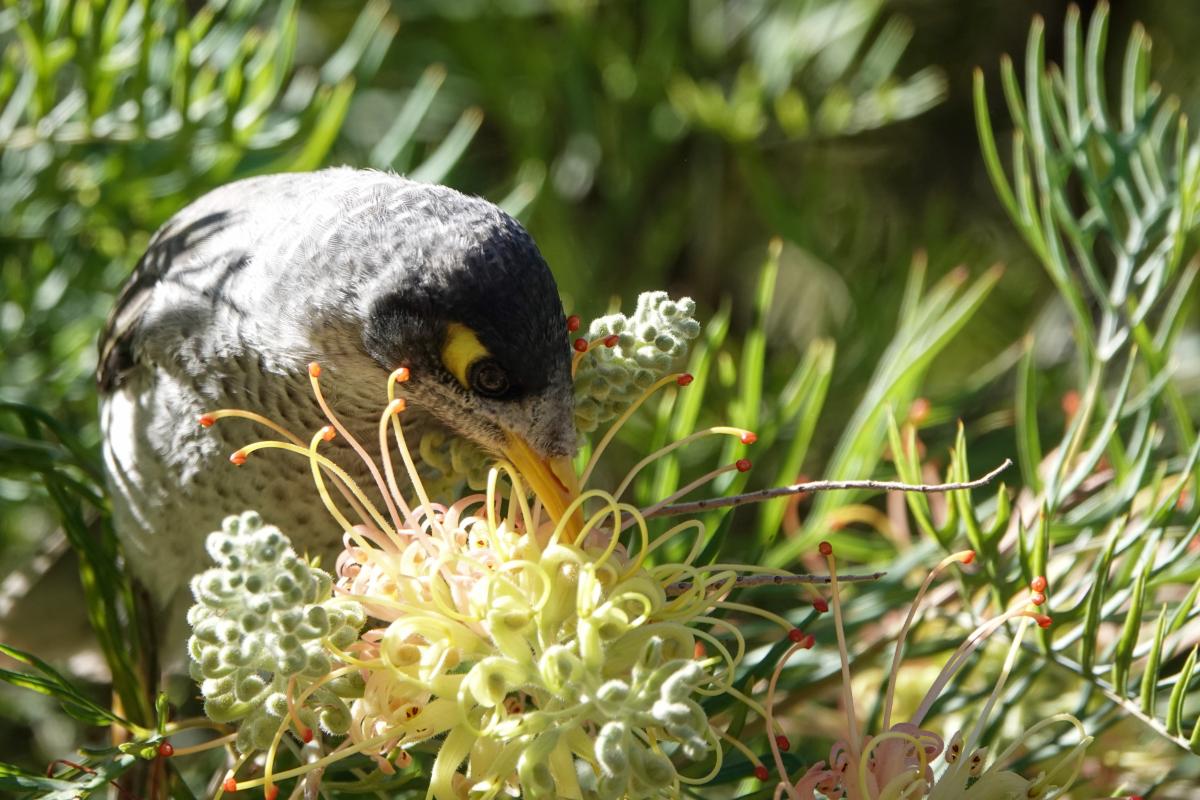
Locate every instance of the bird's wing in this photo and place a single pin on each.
(171, 244)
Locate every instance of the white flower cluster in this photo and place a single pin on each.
(650, 343)
(262, 618)
(659, 697)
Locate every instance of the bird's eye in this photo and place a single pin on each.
(488, 378)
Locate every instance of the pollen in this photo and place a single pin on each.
(611, 341)
(206, 420)
(685, 379)
(237, 458)
(230, 785)
(400, 375)
(573, 323)
(761, 773)
(580, 345)
(328, 433)
(166, 750)
(314, 369)
(820, 604)
(743, 465)
(748, 437)
(396, 406)
(825, 548)
(796, 635)
(1039, 583)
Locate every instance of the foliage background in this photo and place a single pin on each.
(633, 141)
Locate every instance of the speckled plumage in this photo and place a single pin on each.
(360, 271)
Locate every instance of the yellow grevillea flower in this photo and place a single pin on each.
(541, 656)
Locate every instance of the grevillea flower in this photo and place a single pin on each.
(906, 759)
(539, 656)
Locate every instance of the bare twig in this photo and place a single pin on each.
(821, 486)
(750, 581)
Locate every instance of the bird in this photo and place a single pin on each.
(361, 272)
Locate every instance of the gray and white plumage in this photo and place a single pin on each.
(360, 271)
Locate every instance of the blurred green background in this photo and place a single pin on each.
(646, 145)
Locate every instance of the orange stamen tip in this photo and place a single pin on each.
(825, 549)
(328, 433)
(796, 635)
(230, 784)
(237, 458)
(206, 420)
(165, 750)
(783, 743)
(1037, 598)
(685, 379)
(573, 323)
(821, 605)
(580, 345)
(748, 437)
(314, 369)
(1039, 583)
(761, 773)
(306, 735)
(611, 341)
(968, 557)
(699, 651)
(743, 465)
(1043, 621)
(400, 375)
(397, 405)
(271, 792)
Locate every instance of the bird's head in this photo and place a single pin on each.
(470, 307)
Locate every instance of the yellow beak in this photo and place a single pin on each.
(553, 481)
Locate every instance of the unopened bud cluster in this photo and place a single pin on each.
(650, 343)
(659, 695)
(263, 617)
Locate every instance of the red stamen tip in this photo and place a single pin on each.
(611, 341)
(809, 641)
(743, 465)
(314, 369)
(969, 557)
(206, 420)
(782, 742)
(1043, 621)
(580, 345)
(271, 792)
(573, 323)
(165, 750)
(1037, 598)
(748, 437)
(761, 773)
(821, 605)
(230, 784)
(1039, 583)
(685, 379)
(306, 735)
(796, 635)
(825, 549)
(237, 458)
(400, 374)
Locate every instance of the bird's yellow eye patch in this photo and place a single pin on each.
(461, 349)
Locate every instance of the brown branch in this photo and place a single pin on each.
(822, 486)
(750, 581)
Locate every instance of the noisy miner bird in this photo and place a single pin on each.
(362, 272)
